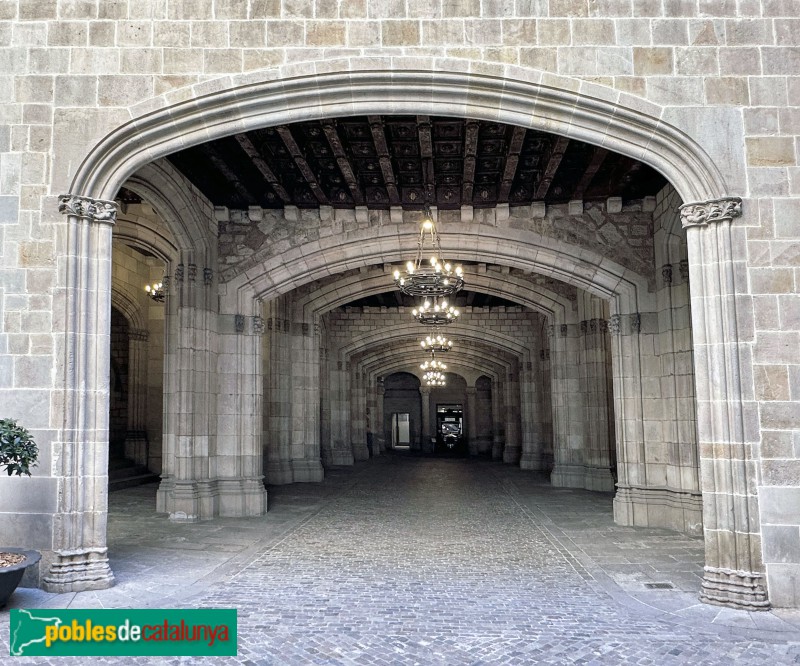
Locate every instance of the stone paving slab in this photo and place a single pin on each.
(415, 561)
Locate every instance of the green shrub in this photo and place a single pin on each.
(18, 451)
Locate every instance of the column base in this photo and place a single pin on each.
(339, 457)
(532, 461)
(511, 454)
(360, 451)
(744, 590)
(192, 501)
(497, 450)
(136, 447)
(278, 473)
(568, 476)
(307, 471)
(240, 498)
(78, 571)
(598, 479)
(678, 510)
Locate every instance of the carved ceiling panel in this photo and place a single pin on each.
(409, 161)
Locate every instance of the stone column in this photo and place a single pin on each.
(358, 424)
(238, 461)
(532, 441)
(79, 560)
(597, 454)
(498, 430)
(733, 573)
(512, 450)
(472, 421)
(379, 427)
(305, 460)
(136, 444)
(568, 408)
(187, 491)
(277, 407)
(425, 443)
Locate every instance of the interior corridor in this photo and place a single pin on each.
(404, 559)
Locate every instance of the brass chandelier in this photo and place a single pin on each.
(429, 274)
(438, 343)
(434, 313)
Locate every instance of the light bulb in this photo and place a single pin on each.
(397, 275)
(410, 267)
(414, 312)
(448, 267)
(427, 225)
(433, 261)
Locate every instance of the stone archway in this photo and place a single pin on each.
(733, 558)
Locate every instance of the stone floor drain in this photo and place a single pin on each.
(659, 586)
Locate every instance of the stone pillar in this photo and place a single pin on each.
(727, 415)
(425, 443)
(358, 422)
(568, 408)
(277, 407)
(238, 461)
(79, 559)
(305, 460)
(472, 422)
(498, 430)
(136, 444)
(187, 491)
(597, 452)
(379, 427)
(341, 450)
(512, 450)
(532, 442)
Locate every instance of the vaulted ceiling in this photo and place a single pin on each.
(408, 161)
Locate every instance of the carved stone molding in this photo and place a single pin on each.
(95, 210)
(208, 277)
(563, 330)
(551, 331)
(666, 274)
(683, 267)
(179, 273)
(238, 323)
(716, 210)
(192, 272)
(258, 325)
(614, 324)
(636, 323)
(584, 326)
(138, 334)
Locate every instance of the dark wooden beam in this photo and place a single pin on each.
(344, 163)
(426, 154)
(229, 175)
(556, 155)
(384, 158)
(470, 151)
(598, 157)
(512, 160)
(297, 155)
(260, 163)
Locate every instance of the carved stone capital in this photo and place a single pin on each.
(666, 274)
(258, 325)
(94, 210)
(137, 334)
(700, 213)
(614, 324)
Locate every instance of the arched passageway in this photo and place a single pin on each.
(247, 359)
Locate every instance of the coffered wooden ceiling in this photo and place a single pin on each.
(383, 161)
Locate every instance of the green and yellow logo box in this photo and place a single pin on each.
(123, 632)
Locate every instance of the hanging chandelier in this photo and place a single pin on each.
(433, 364)
(433, 313)
(155, 291)
(437, 343)
(434, 378)
(429, 274)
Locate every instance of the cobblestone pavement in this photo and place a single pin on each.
(433, 561)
